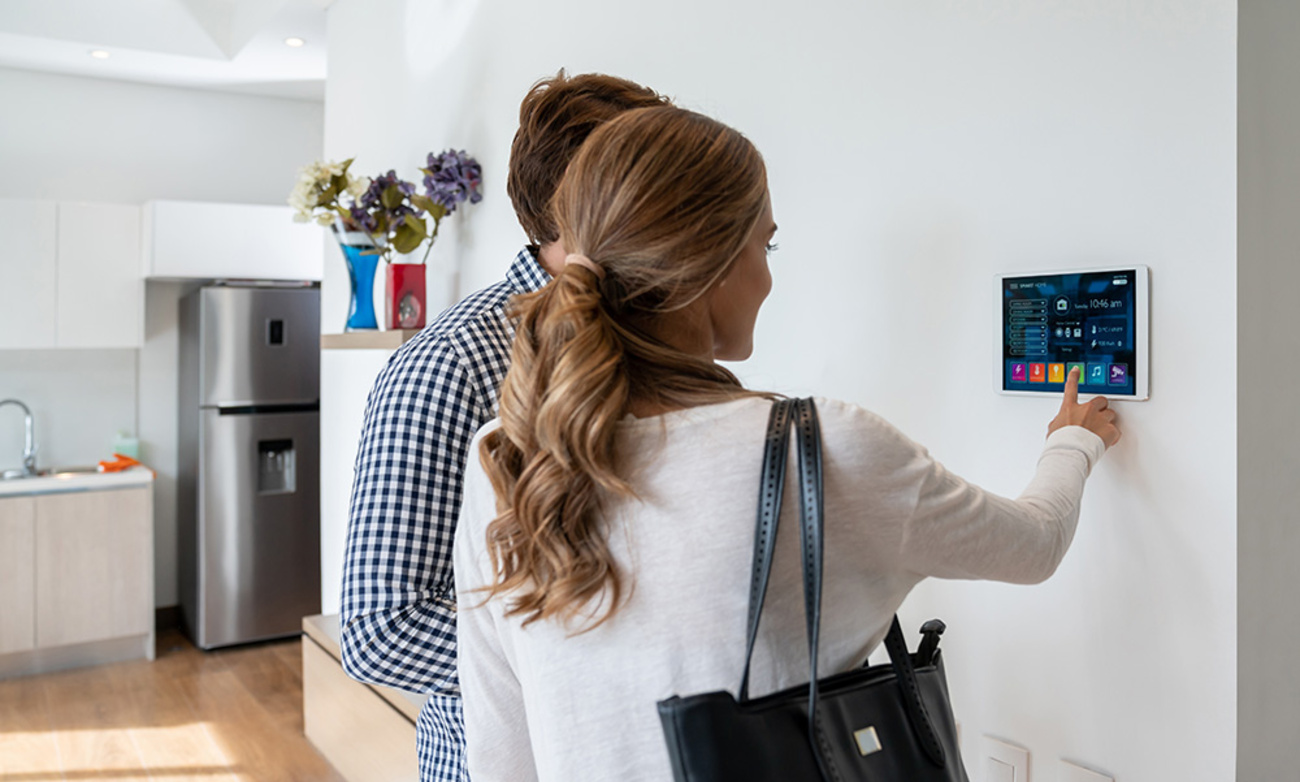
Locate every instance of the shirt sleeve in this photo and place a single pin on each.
(497, 740)
(958, 530)
(398, 605)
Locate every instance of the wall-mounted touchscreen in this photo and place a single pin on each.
(1095, 320)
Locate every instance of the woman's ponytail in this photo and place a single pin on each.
(554, 453)
(658, 204)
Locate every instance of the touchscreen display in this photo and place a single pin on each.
(1054, 322)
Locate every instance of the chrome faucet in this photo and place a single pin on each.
(29, 428)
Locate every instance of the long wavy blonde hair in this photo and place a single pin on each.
(662, 200)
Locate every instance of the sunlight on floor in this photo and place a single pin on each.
(170, 754)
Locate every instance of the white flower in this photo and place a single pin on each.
(313, 179)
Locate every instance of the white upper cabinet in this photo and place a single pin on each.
(200, 240)
(28, 275)
(100, 293)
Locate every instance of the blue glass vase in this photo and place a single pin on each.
(362, 260)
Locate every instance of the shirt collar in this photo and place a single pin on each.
(526, 274)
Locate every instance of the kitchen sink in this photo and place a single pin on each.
(51, 472)
(58, 472)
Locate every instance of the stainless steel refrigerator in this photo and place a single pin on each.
(249, 480)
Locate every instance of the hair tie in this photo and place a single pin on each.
(585, 262)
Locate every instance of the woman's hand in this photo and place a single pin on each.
(1096, 416)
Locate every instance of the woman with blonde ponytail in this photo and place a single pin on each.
(603, 549)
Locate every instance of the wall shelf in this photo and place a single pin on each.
(367, 340)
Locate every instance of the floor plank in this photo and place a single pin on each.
(91, 712)
(28, 749)
(174, 744)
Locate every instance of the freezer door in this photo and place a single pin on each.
(259, 526)
(259, 346)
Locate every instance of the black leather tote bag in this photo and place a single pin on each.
(885, 723)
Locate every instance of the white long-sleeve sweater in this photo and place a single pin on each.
(544, 703)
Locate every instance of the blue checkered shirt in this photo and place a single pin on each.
(399, 600)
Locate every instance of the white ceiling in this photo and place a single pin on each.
(232, 45)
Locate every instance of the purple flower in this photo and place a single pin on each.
(363, 218)
(453, 178)
(370, 206)
(374, 194)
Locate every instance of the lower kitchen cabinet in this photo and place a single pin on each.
(76, 579)
(17, 574)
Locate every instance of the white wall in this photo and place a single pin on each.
(80, 400)
(65, 137)
(101, 140)
(915, 148)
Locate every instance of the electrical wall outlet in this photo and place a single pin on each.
(1003, 762)
(1069, 772)
(997, 771)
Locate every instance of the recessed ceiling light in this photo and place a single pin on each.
(99, 54)
(294, 42)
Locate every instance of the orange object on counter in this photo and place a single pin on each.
(120, 462)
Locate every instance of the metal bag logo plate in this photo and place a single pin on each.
(868, 741)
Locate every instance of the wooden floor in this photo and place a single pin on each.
(224, 716)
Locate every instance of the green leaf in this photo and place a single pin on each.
(426, 203)
(407, 238)
(392, 197)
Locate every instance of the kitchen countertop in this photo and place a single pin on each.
(77, 481)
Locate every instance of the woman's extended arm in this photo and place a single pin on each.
(958, 530)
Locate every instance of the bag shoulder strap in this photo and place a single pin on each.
(771, 491)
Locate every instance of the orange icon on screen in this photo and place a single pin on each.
(1037, 373)
(1056, 373)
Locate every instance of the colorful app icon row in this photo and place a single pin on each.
(1089, 374)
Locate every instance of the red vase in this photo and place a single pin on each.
(404, 303)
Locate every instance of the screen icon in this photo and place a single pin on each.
(1096, 375)
(1119, 374)
(1056, 373)
(1037, 373)
(1018, 372)
(1083, 372)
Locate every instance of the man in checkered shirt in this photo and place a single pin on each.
(399, 601)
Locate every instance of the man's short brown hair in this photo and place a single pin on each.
(555, 118)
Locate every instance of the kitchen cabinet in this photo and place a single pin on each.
(28, 276)
(17, 574)
(70, 275)
(76, 578)
(94, 566)
(100, 291)
(186, 240)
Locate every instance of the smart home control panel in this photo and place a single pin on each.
(1096, 320)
